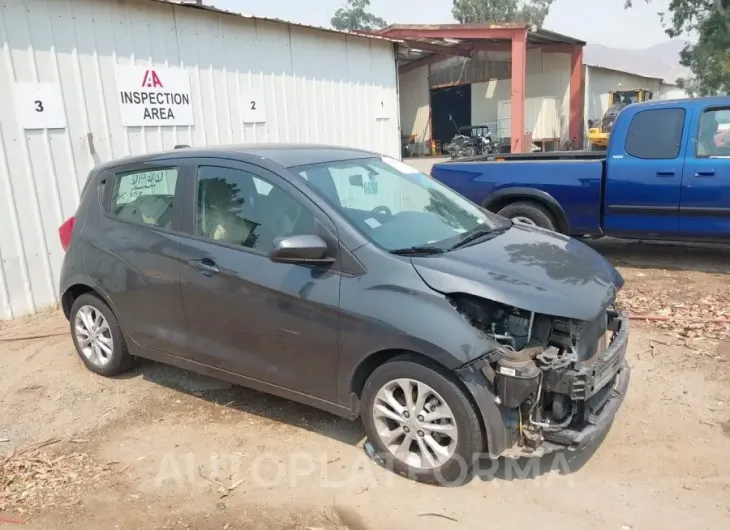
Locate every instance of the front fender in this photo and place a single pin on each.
(500, 426)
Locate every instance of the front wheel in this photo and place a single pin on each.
(468, 151)
(420, 421)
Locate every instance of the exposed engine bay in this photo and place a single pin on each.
(548, 374)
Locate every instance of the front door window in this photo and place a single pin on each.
(238, 208)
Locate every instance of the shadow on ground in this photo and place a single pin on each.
(319, 422)
(250, 401)
(702, 257)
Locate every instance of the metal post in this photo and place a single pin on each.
(519, 74)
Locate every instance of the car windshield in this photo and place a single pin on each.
(397, 206)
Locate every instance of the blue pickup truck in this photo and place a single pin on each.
(665, 175)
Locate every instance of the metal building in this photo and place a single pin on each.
(600, 80)
(74, 75)
(524, 83)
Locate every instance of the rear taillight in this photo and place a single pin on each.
(65, 231)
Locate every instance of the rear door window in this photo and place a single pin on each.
(145, 196)
(656, 134)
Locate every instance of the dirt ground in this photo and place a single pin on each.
(163, 448)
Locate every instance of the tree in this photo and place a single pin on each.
(353, 17)
(531, 12)
(709, 57)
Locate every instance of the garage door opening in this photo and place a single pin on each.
(450, 106)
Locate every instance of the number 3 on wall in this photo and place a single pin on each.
(38, 105)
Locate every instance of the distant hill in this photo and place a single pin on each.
(661, 60)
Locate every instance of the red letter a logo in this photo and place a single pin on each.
(150, 79)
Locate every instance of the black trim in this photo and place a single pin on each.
(702, 211)
(630, 208)
(693, 211)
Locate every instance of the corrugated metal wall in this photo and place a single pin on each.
(415, 110)
(600, 81)
(548, 75)
(319, 87)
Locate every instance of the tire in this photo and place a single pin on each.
(529, 211)
(468, 152)
(458, 455)
(110, 337)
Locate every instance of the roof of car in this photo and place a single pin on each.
(284, 155)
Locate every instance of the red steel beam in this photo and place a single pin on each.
(451, 33)
(576, 94)
(519, 75)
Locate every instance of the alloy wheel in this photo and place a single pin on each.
(414, 422)
(93, 335)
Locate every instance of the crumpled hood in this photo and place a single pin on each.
(529, 268)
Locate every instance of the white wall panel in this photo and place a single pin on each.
(320, 87)
(548, 76)
(415, 110)
(600, 81)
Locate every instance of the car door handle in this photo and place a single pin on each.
(705, 173)
(206, 266)
(665, 173)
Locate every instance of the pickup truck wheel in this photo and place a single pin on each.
(530, 214)
(420, 422)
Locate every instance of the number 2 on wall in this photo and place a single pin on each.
(38, 105)
(253, 105)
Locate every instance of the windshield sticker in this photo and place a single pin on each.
(372, 223)
(400, 166)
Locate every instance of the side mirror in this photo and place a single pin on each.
(300, 249)
(356, 180)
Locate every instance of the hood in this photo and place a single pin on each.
(529, 268)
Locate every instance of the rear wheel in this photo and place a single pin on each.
(530, 214)
(420, 421)
(97, 336)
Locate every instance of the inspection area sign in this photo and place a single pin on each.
(151, 96)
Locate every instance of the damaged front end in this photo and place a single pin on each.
(556, 382)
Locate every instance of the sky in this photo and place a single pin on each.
(594, 21)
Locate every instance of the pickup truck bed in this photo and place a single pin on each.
(572, 188)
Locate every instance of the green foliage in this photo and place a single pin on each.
(354, 16)
(709, 57)
(532, 12)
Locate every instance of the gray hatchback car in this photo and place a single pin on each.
(351, 282)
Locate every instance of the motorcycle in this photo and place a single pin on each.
(470, 141)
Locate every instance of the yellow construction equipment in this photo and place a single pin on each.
(599, 131)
